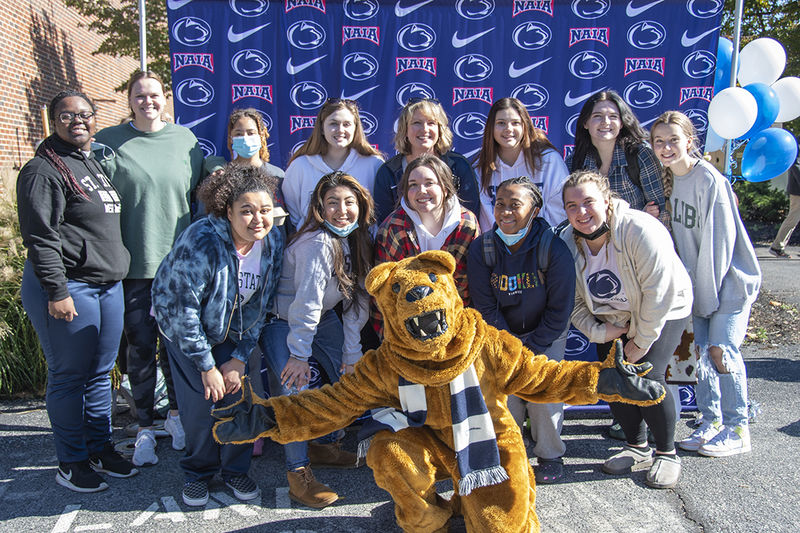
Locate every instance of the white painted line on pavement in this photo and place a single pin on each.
(283, 505)
(211, 511)
(22, 468)
(93, 527)
(233, 504)
(66, 519)
(146, 514)
(173, 511)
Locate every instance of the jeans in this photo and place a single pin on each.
(80, 354)
(203, 456)
(326, 349)
(722, 397)
(546, 418)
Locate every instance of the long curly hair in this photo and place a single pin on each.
(431, 109)
(220, 190)
(534, 141)
(316, 143)
(359, 241)
(582, 177)
(685, 124)
(255, 116)
(631, 135)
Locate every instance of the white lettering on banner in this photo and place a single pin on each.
(577, 35)
(251, 63)
(207, 147)
(191, 31)
(647, 34)
(531, 35)
(521, 6)
(653, 64)
(699, 118)
(264, 92)
(359, 66)
(416, 37)
(245, 8)
(404, 64)
(297, 123)
(702, 93)
(180, 60)
(360, 9)
(587, 65)
(469, 125)
(541, 123)
(308, 95)
(368, 122)
(316, 4)
(590, 9)
(484, 94)
(634, 11)
(473, 67)
(704, 10)
(368, 33)
(413, 90)
(532, 95)
(472, 10)
(642, 94)
(194, 92)
(306, 35)
(699, 64)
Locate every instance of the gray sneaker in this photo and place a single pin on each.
(630, 459)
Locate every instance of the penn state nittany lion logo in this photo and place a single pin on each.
(604, 284)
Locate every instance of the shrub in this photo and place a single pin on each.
(759, 202)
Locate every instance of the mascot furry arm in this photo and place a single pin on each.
(439, 348)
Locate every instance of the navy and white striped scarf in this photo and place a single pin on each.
(474, 438)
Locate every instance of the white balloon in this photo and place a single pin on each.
(761, 61)
(732, 112)
(788, 91)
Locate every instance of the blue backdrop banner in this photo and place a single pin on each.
(286, 58)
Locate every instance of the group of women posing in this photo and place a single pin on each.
(112, 248)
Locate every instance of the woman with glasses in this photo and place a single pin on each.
(337, 143)
(155, 166)
(423, 128)
(69, 216)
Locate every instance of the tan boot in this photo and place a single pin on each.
(330, 456)
(306, 490)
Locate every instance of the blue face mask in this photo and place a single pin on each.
(246, 146)
(342, 232)
(514, 238)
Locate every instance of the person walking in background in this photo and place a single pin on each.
(512, 147)
(713, 244)
(69, 217)
(155, 166)
(211, 297)
(422, 128)
(778, 246)
(522, 280)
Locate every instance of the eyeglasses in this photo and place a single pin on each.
(341, 101)
(417, 99)
(67, 117)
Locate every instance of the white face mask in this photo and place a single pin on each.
(514, 238)
(246, 145)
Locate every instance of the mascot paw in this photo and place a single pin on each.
(244, 421)
(623, 382)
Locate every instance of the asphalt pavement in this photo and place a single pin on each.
(759, 491)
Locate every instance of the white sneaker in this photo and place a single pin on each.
(704, 433)
(145, 452)
(174, 427)
(729, 441)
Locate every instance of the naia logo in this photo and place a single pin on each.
(569, 149)
(404, 64)
(316, 4)
(541, 123)
(521, 6)
(298, 122)
(368, 33)
(635, 64)
(577, 35)
(484, 94)
(703, 93)
(239, 91)
(205, 61)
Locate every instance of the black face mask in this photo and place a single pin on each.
(599, 232)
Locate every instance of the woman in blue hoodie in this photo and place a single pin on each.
(522, 281)
(210, 298)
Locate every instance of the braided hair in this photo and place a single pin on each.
(580, 177)
(46, 149)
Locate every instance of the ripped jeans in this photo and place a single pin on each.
(722, 397)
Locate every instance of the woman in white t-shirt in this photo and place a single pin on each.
(513, 147)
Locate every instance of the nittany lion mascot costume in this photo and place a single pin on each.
(437, 387)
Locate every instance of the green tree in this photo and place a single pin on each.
(118, 22)
(778, 19)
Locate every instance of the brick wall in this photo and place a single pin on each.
(43, 50)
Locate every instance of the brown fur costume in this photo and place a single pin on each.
(407, 463)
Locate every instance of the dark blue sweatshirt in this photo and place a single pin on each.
(513, 295)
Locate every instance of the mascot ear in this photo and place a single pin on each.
(378, 276)
(443, 259)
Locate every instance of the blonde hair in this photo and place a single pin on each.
(431, 109)
(255, 116)
(582, 177)
(685, 124)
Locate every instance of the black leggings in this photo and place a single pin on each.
(660, 418)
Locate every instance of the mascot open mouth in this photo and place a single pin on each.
(427, 325)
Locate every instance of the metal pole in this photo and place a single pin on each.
(737, 37)
(142, 37)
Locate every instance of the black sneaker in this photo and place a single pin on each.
(780, 254)
(243, 487)
(79, 477)
(195, 493)
(109, 461)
